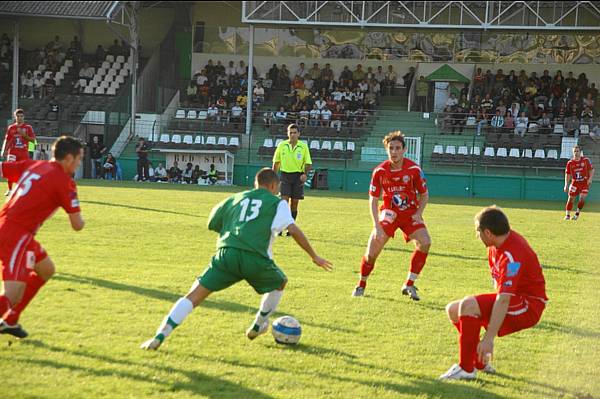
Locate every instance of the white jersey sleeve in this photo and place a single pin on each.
(283, 218)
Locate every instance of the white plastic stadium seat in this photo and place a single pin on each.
(338, 146)
(116, 66)
(559, 129)
(64, 69)
(489, 152)
(164, 138)
(438, 149)
(88, 90)
(539, 154)
(110, 58)
(101, 71)
(124, 72)
(114, 85)
(268, 143)
(222, 141)
(277, 142)
(211, 140)
(69, 63)
(111, 72)
(584, 129)
(326, 145)
(59, 75)
(105, 65)
(463, 150)
(82, 82)
(471, 121)
(527, 153)
(120, 79)
(192, 114)
(104, 84)
(202, 115)
(514, 153)
(476, 151)
(97, 78)
(99, 90)
(199, 139)
(314, 145)
(176, 139)
(451, 150)
(502, 152)
(188, 139)
(180, 114)
(234, 141)
(350, 146)
(552, 154)
(111, 91)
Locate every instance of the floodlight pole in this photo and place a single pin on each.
(250, 78)
(134, 54)
(15, 75)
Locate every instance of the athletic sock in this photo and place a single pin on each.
(268, 304)
(10, 185)
(417, 262)
(569, 206)
(580, 205)
(34, 283)
(365, 270)
(4, 304)
(468, 341)
(176, 316)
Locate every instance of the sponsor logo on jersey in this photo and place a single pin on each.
(508, 283)
(513, 269)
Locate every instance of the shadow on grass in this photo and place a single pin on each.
(544, 389)
(569, 330)
(196, 383)
(567, 269)
(210, 303)
(139, 208)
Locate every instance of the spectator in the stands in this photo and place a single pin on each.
(326, 77)
(422, 91)
(116, 49)
(521, 124)
(53, 110)
(482, 121)
(380, 75)
(544, 123)
(192, 92)
(187, 173)
(109, 167)
(212, 113)
(142, 162)
(212, 176)
(303, 116)
(201, 78)
(230, 72)
(358, 74)
(281, 116)
(587, 115)
(284, 77)
(595, 133)
(459, 119)
(100, 55)
(571, 126)
(241, 69)
(315, 115)
(174, 174)
(452, 101)
(497, 122)
(86, 72)
(509, 122)
(160, 173)
(236, 113)
(97, 150)
(49, 86)
(196, 174)
(269, 118)
(301, 71)
(27, 85)
(336, 117)
(345, 77)
(408, 78)
(464, 92)
(325, 116)
(75, 49)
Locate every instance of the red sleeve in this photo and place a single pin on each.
(68, 196)
(375, 187)
(420, 182)
(12, 171)
(510, 273)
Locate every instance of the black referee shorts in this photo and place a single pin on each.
(291, 186)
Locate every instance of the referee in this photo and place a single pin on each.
(292, 157)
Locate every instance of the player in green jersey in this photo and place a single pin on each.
(247, 224)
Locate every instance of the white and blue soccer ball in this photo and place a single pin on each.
(286, 330)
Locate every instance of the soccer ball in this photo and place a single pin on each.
(286, 330)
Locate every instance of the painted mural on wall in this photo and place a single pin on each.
(471, 47)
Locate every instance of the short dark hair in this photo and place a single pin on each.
(394, 136)
(493, 219)
(292, 126)
(65, 145)
(19, 111)
(266, 176)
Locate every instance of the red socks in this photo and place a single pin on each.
(580, 204)
(478, 365)
(569, 206)
(365, 269)
(468, 341)
(34, 283)
(417, 262)
(4, 304)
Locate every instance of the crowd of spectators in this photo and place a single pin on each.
(315, 96)
(190, 175)
(522, 103)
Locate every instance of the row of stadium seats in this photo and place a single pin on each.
(108, 78)
(529, 141)
(500, 156)
(323, 149)
(329, 132)
(209, 126)
(199, 142)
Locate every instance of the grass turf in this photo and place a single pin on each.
(144, 244)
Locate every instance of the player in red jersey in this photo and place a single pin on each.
(404, 198)
(580, 172)
(41, 188)
(517, 304)
(16, 141)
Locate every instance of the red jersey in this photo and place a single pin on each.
(579, 170)
(400, 187)
(14, 141)
(43, 186)
(516, 270)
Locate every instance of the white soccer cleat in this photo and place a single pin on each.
(567, 217)
(457, 373)
(575, 217)
(151, 345)
(255, 330)
(488, 369)
(358, 291)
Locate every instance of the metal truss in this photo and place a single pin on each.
(483, 15)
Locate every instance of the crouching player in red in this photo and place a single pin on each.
(581, 172)
(518, 303)
(16, 141)
(404, 198)
(41, 188)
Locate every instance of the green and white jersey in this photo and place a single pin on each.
(250, 220)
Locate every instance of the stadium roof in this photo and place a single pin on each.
(101, 10)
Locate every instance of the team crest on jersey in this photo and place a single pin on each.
(513, 269)
(299, 156)
(405, 178)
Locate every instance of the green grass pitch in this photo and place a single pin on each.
(144, 244)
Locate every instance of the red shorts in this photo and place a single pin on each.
(577, 188)
(17, 155)
(522, 312)
(19, 252)
(391, 221)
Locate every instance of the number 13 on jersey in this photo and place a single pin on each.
(250, 205)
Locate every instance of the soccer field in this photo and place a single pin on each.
(144, 244)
